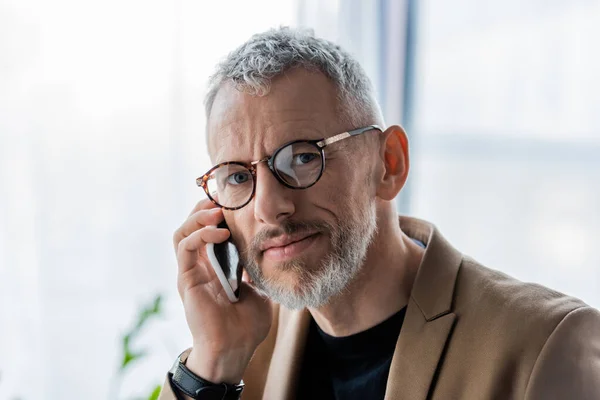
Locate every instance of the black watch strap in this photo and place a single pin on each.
(197, 388)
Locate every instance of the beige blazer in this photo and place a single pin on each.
(469, 333)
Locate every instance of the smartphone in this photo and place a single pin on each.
(225, 260)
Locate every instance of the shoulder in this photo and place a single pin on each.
(550, 341)
(555, 338)
(568, 366)
(483, 290)
(516, 318)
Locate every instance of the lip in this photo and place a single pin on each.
(284, 240)
(290, 249)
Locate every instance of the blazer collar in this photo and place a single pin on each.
(429, 319)
(433, 287)
(426, 329)
(288, 354)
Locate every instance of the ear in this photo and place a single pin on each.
(394, 155)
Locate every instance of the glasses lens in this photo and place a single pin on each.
(299, 164)
(231, 185)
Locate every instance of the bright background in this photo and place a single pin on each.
(102, 136)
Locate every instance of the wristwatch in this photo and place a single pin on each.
(201, 389)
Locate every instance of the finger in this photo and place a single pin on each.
(246, 277)
(187, 250)
(198, 220)
(203, 204)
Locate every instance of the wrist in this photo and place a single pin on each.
(192, 386)
(223, 368)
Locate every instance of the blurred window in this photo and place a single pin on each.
(507, 135)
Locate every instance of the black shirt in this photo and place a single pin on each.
(351, 367)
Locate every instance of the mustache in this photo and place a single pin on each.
(288, 227)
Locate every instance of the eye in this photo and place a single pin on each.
(304, 158)
(238, 178)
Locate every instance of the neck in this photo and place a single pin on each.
(382, 287)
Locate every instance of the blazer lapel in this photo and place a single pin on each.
(417, 355)
(429, 320)
(288, 354)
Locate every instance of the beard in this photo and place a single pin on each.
(314, 286)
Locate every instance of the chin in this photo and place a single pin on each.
(291, 276)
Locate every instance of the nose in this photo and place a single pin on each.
(273, 202)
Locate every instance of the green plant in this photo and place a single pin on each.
(131, 354)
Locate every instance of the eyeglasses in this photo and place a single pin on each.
(296, 165)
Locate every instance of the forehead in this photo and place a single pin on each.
(300, 105)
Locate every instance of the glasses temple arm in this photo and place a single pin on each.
(344, 135)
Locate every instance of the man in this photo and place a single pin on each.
(346, 300)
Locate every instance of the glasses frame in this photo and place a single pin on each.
(319, 144)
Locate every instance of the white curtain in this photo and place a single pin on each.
(101, 139)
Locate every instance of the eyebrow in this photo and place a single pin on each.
(320, 137)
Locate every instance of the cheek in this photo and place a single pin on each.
(240, 223)
(340, 191)
(352, 179)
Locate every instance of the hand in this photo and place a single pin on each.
(225, 335)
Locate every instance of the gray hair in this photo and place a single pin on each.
(265, 56)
